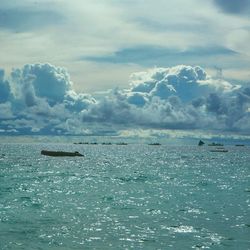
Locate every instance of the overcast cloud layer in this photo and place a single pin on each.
(40, 99)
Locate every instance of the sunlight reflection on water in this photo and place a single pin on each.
(118, 197)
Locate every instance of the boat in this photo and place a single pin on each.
(121, 143)
(221, 150)
(239, 145)
(216, 144)
(60, 153)
(155, 144)
(80, 143)
(201, 143)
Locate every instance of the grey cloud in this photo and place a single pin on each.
(169, 114)
(78, 102)
(5, 111)
(5, 92)
(231, 109)
(153, 55)
(215, 104)
(234, 6)
(112, 109)
(25, 19)
(138, 99)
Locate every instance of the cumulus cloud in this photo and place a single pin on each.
(43, 80)
(185, 81)
(5, 92)
(39, 98)
(231, 109)
(78, 102)
(181, 97)
(42, 98)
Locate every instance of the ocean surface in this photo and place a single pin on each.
(124, 197)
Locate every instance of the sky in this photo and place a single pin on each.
(125, 68)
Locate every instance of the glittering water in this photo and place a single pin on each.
(124, 197)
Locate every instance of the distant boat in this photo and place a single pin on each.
(221, 150)
(80, 143)
(201, 143)
(60, 153)
(239, 145)
(121, 143)
(216, 144)
(154, 144)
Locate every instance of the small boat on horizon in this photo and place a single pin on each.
(121, 143)
(60, 153)
(201, 143)
(220, 150)
(81, 143)
(214, 144)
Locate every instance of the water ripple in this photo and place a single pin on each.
(136, 197)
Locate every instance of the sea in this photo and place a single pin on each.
(134, 196)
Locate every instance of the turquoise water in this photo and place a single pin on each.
(124, 197)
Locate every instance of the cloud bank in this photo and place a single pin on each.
(40, 99)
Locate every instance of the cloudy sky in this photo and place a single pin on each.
(120, 66)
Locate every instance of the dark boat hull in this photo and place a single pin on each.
(215, 145)
(219, 150)
(60, 153)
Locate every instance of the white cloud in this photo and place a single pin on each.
(185, 81)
